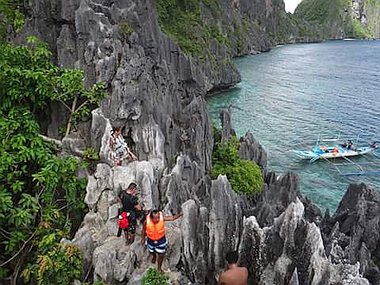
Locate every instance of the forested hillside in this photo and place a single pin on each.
(341, 18)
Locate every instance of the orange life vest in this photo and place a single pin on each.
(155, 231)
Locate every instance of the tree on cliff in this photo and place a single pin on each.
(39, 191)
(244, 176)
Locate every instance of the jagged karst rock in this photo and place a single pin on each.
(114, 262)
(185, 181)
(227, 130)
(97, 183)
(250, 149)
(153, 93)
(225, 221)
(195, 246)
(358, 237)
(156, 94)
(143, 174)
(275, 198)
(291, 251)
(294, 279)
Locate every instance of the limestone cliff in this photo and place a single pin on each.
(341, 19)
(156, 94)
(213, 32)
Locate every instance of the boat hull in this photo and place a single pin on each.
(317, 153)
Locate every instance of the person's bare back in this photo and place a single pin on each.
(235, 275)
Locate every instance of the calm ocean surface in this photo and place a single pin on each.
(295, 93)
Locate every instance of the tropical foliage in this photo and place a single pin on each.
(336, 19)
(153, 277)
(245, 176)
(11, 17)
(39, 191)
(182, 20)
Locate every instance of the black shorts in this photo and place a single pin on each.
(131, 228)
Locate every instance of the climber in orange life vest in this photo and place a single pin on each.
(154, 230)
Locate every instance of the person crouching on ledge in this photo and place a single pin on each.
(119, 148)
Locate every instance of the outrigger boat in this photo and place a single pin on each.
(337, 151)
(328, 149)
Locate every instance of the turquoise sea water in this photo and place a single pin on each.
(296, 93)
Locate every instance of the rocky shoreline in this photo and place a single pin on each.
(156, 94)
(281, 236)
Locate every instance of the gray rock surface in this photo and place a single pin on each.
(227, 130)
(354, 234)
(291, 251)
(156, 94)
(250, 149)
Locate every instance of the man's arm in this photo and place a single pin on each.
(172, 218)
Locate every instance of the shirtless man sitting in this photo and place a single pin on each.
(234, 275)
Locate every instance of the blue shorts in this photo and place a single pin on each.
(158, 246)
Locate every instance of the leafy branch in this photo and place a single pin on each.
(39, 191)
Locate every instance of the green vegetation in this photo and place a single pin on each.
(359, 31)
(10, 16)
(68, 89)
(153, 277)
(125, 29)
(39, 191)
(245, 176)
(324, 17)
(372, 9)
(90, 154)
(182, 21)
(335, 19)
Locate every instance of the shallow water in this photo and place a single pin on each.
(297, 93)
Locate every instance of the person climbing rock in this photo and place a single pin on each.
(154, 230)
(131, 206)
(119, 148)
(234, 275)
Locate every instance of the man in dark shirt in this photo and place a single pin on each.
(130, 205)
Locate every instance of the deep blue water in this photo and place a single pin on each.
(296, 93)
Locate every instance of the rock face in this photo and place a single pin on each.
(291, 251)
(354, 230)
(341, 19)
(367, 13)
(156, 94)
(153, 91)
